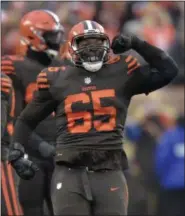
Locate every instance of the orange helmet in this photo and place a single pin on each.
(92, 55)
(41, 30)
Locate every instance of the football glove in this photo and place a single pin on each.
(24, 168)
(122, 43)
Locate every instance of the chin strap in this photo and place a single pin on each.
(92, 67)
(51, 53)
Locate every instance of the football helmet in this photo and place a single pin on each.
(89, 45)
(41, 31)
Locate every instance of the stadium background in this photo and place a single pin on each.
(160, 23)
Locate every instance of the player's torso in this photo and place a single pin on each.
(93, 106)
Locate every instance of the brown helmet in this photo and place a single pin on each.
(41, 30)
(84, 30)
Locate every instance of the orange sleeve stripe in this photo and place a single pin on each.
(6, 90)
(40, 79)
(42, 74)
(5, 79)
(132, 63)
(6, 62)
(131, 70)
(5, 84)
(128, 58)
(53, 69)
(5, 67)
(10, 128)
(43, 86)
(9, 72)
(113, 60)
(12, 111)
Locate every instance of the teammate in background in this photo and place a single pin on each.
(91, 102)
(7, 107)
(9, 199)
(43, 34)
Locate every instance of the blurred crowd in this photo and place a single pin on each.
(160, 23)
(155, 125)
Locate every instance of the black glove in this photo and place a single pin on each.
(122, 43)
(24, 168)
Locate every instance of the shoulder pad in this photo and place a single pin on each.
(6, 84)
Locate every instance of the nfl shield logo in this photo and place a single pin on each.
(87, 80)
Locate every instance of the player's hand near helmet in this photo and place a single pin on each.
(122, 43)
(24, 168)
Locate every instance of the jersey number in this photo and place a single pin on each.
(99, 110)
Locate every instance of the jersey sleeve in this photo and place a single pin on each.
(8, 64)
(6, 86)
(134, 74)
(147, 76)
(12, 67)
(37, 110)
(7, 104)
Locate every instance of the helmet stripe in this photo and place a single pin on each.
(89, 24)
(94, 26)
(54, 16)
(85, 25)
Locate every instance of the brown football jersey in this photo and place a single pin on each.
(91, 108)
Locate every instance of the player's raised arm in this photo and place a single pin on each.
(38, 109)
(159, 72)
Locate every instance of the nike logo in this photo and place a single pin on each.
(114, 189)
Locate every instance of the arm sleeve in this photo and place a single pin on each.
(41, 106)
(158, 72)
(6, 102)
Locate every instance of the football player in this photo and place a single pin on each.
(91, 102)
(43, 34)
(9, 198)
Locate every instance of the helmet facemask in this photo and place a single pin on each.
(50, 41)
(91, 51)
(53, 41)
